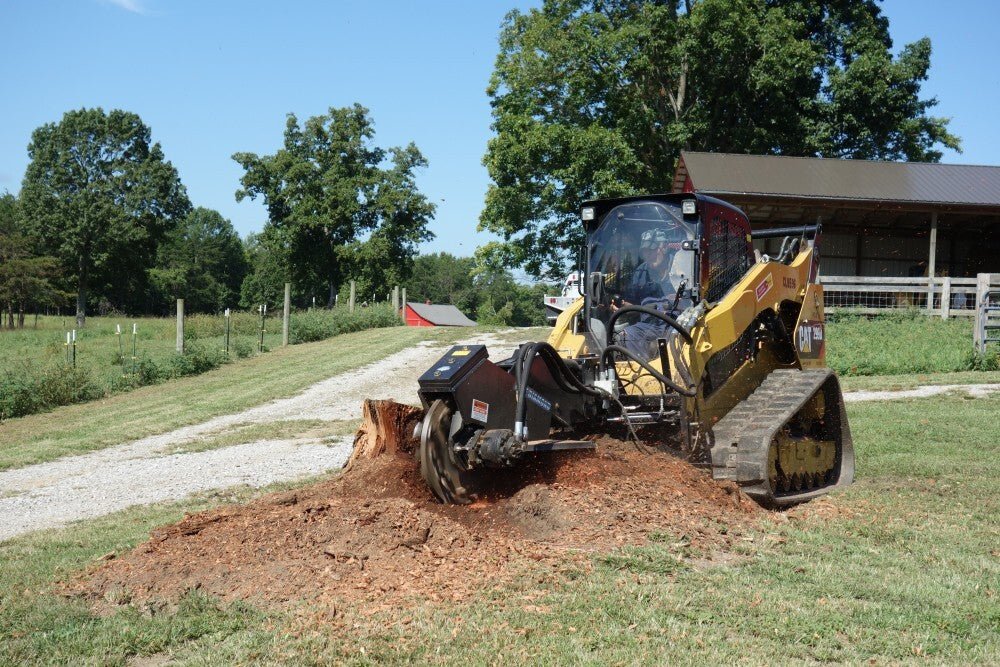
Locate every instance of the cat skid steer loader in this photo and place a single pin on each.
(682, 331)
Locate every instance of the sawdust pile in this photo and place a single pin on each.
(375, 533)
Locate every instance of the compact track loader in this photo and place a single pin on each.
(681, 331)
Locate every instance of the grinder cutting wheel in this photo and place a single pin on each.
(736, 368)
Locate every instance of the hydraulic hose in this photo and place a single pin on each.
(611, 349)
(671, 322)
(563, 377)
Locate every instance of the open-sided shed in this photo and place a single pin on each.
(881, 219)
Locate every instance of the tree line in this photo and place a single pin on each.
(104, 221)
(590, 98)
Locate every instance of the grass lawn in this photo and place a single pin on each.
(903, 566)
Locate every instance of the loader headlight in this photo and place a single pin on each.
(587, 214)
(689, 207)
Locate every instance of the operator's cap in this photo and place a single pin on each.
(654, 237)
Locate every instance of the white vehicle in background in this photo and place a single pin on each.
(554, 305)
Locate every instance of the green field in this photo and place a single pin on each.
(41, 370)
(906, 569)
(75, 429)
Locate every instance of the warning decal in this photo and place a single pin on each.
(480, 410)
(764, 287)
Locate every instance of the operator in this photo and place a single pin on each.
(651, 287)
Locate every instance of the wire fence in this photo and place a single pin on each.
(944, 296)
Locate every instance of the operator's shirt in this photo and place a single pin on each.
(646, 288)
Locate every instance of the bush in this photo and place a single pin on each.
(28, 388)
(241, 323)
(196, 359)
(313, 325)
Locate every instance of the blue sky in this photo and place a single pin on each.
(215, 77)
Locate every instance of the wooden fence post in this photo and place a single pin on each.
(180, 326)
(395, 298)
(946, 297)
(350, 302)
(286, 314)
(982, 290)
(402, 306)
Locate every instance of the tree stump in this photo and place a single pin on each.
(386, 428)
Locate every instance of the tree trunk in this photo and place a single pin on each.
(332, 297)
(386, 428)
(20, 317)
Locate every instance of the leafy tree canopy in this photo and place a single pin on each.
(25, 280)
(99, 196)
(596, 98)
(338, 203)
(202, 262)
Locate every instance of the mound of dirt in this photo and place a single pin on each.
(375, 533)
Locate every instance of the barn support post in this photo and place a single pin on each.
(932, 261)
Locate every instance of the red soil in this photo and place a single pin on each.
(374, 533)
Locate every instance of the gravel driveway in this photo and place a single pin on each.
(143, 471)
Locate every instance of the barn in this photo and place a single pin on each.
(435, 315)
(885, 219)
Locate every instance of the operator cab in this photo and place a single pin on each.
(656, 252)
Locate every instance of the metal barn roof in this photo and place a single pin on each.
(834, 179)
(441, 315)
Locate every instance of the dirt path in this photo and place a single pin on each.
(143, 471)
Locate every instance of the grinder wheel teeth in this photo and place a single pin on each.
(449, 481)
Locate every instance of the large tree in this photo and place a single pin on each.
(202, 262)
(99, 196)
(596, 98)
(329, 189)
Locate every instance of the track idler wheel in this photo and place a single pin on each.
(444, 473)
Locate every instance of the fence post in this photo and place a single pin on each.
(395, 298)
(932, 261)
(180, 326)
(402, 306)
(350, 302)
(982, 290)
(946, 297)
(286, 314)
(227, 331)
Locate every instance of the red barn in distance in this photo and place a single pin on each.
(435, 315)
